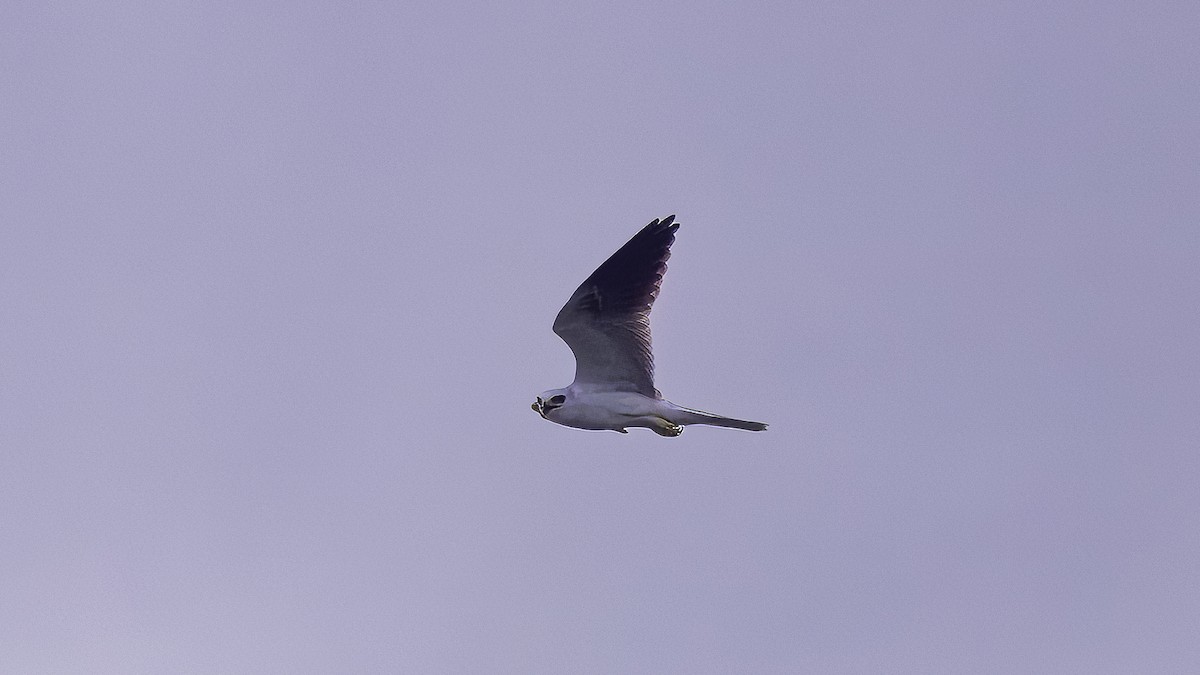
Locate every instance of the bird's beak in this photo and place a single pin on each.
(539, 407)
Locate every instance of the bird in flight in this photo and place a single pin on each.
(606, 323)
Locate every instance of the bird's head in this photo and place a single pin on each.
(549, 401)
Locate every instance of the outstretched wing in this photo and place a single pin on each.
(606, 323)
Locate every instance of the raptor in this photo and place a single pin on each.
(606, 323)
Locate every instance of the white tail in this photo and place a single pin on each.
(686, 416)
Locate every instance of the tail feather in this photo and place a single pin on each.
(686, 416)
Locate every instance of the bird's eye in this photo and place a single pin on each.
(558, 400)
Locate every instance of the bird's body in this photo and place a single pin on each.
(619, 410)
(606, 323)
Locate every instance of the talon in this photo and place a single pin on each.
(665, 428)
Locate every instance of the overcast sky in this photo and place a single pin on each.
(276, 286)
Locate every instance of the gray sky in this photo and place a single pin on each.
(276, 285)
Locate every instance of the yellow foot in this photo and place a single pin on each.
(664, 428)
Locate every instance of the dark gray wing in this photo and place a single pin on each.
(606, 323)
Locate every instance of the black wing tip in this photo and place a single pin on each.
(664, 223)
(662, 230)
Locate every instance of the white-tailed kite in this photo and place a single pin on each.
(606, 323)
